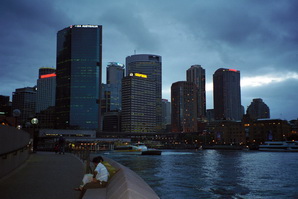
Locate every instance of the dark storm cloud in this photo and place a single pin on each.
(247, 34)
(259, 38)
(127, 20)
(25, 40)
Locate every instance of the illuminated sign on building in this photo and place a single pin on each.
(84, 26)
(47, 76)
(234, 70)
(138, 75)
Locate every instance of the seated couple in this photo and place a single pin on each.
(98, 179)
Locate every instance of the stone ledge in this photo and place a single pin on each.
(125, 184)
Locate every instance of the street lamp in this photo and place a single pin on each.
(34, 122)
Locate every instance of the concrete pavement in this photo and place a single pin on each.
(45, 175)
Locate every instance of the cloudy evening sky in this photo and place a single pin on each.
(259, 38)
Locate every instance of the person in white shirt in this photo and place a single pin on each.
(100, 177)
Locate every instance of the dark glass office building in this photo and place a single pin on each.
(79, 68)
(227, 94)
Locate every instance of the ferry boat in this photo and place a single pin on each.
(138, 149)
(279, 146)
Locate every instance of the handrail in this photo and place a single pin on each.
(4, 155)
(84, 155)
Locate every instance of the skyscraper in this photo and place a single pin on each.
(166, 113)
(24, 99)
(115, 73)
(227, 94)
(138, 104)
(46, 89)
(111, 97)
(79, 68)
(184, 107)
(196, 74)
(258, 109)
(112, 90)
(150, 65)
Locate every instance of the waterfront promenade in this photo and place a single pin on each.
(45, 175)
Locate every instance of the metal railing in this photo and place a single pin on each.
(16, 151)
(84, 155)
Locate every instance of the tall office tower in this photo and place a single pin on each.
(151, 65)
(227, 94)
(46, 89)
(24, 99)
(112, 91)
(79, 62)
(111, 97)
(258, 109)
(196, 74)
(115, 73)
(166, 113)
(138, 104)
(184, 107)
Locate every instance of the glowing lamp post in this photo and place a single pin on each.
(34, 122)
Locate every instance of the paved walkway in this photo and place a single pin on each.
(45, 175)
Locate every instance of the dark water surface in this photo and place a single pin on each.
(217, 174)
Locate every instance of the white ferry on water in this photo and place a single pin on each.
(279, 146)
(138, 149)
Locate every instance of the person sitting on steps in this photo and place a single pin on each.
(100, 177)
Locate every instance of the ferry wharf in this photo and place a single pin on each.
(45, 175)
(50, 175)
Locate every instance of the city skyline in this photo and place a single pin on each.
(257, 38)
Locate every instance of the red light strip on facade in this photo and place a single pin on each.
(47, 76)
(234, 70)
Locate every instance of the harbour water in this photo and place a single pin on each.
(217, 173)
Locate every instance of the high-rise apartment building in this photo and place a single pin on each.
(79, 71)
(258, 109)
(150, 65)
(196, 74)
(227, 94)
(184, 107)
(46, 89)
(24, 99)
(138, 104)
